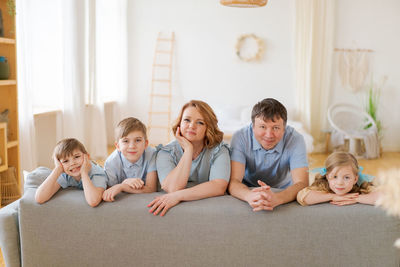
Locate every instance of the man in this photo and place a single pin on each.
(268, 153)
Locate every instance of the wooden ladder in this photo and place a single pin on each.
(159, 122)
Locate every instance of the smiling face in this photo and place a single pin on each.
(268, 133)
(72, 163)
(192, 125)
(341, 179)
(132, 146)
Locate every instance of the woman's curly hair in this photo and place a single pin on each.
(213, 134)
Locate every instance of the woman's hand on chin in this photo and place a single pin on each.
(183, 142)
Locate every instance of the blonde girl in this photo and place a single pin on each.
(340, 182)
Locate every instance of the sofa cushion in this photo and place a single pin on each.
(36, 177)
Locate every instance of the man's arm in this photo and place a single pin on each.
(299, 170)
(300, 180)
(241, 191)
(269, 200)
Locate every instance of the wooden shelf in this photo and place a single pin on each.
(9, 150)
(7, 40)
(8, 82)
(12, 144)
(3, 168)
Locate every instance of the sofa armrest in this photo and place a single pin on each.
(9, 235)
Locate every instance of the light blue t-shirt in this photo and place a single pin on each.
(96, 175)
(118, 168)
(212, 163)
(270, 166)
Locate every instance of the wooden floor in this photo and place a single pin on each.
(373, 167)
(2, 264)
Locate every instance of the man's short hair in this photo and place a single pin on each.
(269, 109)
(128, 125)
(66, 147)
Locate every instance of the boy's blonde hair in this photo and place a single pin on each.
(66, 147)
(339, 159)
(213, 134)
(128, 125)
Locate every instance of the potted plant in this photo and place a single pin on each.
(372, 104)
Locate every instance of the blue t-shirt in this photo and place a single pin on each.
(271, 166)
(96, 175)
(212, 163)
(118, 168)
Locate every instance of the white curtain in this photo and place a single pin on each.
(96, 141)
(73, 84)
(112, 55)
(25, 92)
(314, 32)
(82, 75)
(107, 68)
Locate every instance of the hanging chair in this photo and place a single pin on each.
(355, 125)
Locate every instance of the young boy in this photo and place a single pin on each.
(73, 168)
(131, 167)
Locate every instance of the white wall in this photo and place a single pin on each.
(46, 138)
(206, 65)
(373, 25)
(207, 68)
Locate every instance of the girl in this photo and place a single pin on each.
(197, 155)
(340, 183)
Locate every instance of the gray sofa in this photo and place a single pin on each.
(220, 231)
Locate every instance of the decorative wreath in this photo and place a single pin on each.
(255, 55)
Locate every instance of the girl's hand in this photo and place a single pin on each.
(347, 199)
(86, 166)
(164, 203)
(183, 142)
(134, 183)
(369, 198)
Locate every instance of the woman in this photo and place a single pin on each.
(197, 155)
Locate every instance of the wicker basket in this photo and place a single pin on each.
(9, 190)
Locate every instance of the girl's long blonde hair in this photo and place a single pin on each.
(339, 159)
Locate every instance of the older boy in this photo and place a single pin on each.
(131, 167)
(265, 154)
(73, 168)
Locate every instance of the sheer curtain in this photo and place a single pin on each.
(111, 55)
(314, 48)
(73, 83)
(107, 66)
(76, 68)
(95, 140)
(25, 92)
